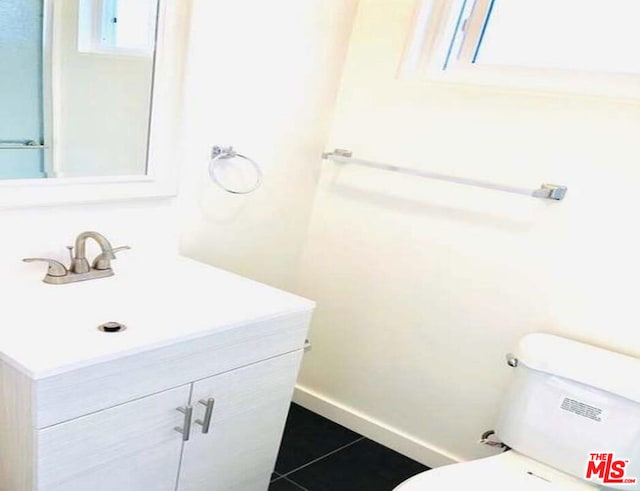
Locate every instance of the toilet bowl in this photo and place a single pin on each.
(570, 417)
(508, 471)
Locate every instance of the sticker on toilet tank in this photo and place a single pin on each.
(582, 409)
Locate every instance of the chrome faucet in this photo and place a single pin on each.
(79, 269)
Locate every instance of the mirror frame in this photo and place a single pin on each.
(162, 161)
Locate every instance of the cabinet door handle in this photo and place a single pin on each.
(206, 423)
(185, 431)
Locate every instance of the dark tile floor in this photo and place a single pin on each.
(320, 455)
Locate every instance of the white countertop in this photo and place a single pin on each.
(49, 329)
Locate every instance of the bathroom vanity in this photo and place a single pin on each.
(191, 396)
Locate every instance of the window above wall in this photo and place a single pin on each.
(584, 46)
(122, 27)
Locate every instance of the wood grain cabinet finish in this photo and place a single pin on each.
(132, 447)
(250, 410)
(95, 387)
(99, 443)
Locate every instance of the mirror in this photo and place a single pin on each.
(76, 80)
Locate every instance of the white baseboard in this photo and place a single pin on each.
(386, 435)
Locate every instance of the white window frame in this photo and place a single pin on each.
(96, 33)
(444, 41)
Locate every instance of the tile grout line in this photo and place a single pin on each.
(320, 458)
(295, 484)
(278, 476)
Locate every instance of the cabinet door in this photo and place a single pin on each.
(132, 447)
(240, 450)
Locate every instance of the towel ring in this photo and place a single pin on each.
(225, 153)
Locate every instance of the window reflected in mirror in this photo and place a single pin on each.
(75, 87)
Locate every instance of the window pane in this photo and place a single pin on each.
(593, 35)
(135, 24)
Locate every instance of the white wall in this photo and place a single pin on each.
(423, 286)
(263, 77)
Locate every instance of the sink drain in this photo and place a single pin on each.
(111, 327)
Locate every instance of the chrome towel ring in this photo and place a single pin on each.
(219, 154)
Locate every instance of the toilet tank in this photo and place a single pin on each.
(568, 400)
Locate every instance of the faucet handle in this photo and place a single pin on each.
(121, 248)
(103, 261)
(56, 268)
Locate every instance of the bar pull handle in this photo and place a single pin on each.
(185, 431)
(206, 422)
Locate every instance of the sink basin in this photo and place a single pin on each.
(160, 302)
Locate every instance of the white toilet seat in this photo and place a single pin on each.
(507, 471)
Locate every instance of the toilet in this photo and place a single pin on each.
(571, 418)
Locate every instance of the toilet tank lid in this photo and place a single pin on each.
(590, 365)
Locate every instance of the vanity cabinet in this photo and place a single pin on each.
(136, 446)
(119, 425)
(132, 447)
(249, 414)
